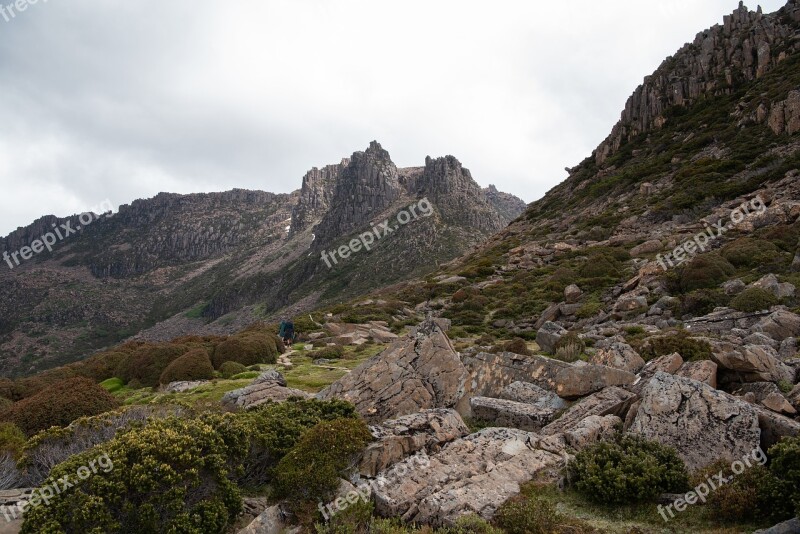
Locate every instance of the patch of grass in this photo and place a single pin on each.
(112, 385)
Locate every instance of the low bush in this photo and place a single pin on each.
(59, 405)
(112, 385)
(702, 301)
(194, 365)
(5, 404)
(749, 252)
(247, 348)
(526, 514)
(311, 470)
(276, 428)
(333, 352)
(173, 475)
(689, 348)
(704, 272)
(246, 375)
(628, 469)
(145, 365)
(785, 466)
(746, 497)
(516, 345)
(754, 299)
(230, 369)
(12, 439)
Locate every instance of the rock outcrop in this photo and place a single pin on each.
(417, 372)
(269, 387)
(703, 424)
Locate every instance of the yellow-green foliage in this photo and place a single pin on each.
(628, 469)
(526, 514)
(312, 469)
(229, 369)
(171, 476)
(194, 365)
(689, 348)
(12, 439)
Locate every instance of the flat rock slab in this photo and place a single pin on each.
(255, 395)
(610, 401)
(420, 371)
(580, 381)
(700, 422)
(473, 475)
(512, 414)
(752, 363)
(533, 394)
(399, 438)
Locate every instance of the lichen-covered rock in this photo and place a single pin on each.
(508, 413)
(700, 422)
(779, 325)
(582, 380)
(549, 335)
(591, 430)
(420, 371)
(399, 438)
(774, 426)
(533, 394)
(703, 371)
(610, 401)
(260, 393)
(472, 475)
(617, 355)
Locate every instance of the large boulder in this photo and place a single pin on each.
(610, 401)
(508, 413)
(703, 371)
(779, 325)
(591, 430)
(533, 394)
(472, 475)
(617, 355)
(582, 380)
(420, 371)
(489, 374)
(751, 363)
(700, 422)
(399, 438)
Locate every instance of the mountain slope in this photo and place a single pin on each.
(176, 264)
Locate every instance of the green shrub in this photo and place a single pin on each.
(230, 369)
(333, 352)
(7, 388)
(247, 348)
(689, 348)
(59, 405)
(785, 466)
(112, 385)
(516, 345)
(754, 299)
(276, 428)
(147, 362)
(628, 469)
(311, 470)
(194, 365)
(748, 252)
(527, 514)
(704, 271)
(12, 439)
(746, 497)
(173, 475)
(5, 404)
(589, 309)
(702, 301)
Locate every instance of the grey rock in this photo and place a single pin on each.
(572, 293)
(583, 380)
(752, 363)
(508, 413)
(703, 424)
(610, 401)
(533, 394)
(792, 526)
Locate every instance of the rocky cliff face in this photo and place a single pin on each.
(719, 60)
(315, 195)
(508, 206)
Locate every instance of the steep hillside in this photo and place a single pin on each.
(213, 263)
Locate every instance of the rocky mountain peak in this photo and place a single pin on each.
(718, 61)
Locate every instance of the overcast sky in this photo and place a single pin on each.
(103, 99)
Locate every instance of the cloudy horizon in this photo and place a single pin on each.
(122, 101)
